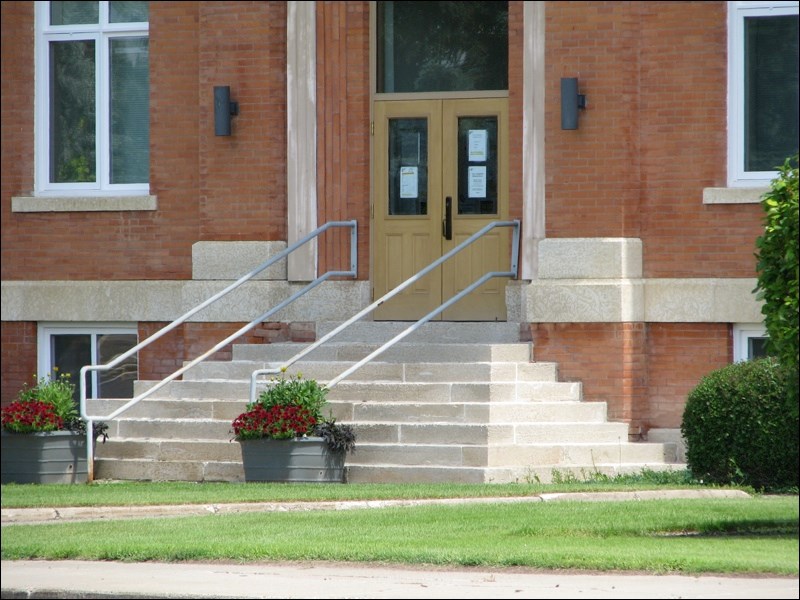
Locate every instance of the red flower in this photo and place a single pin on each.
(278, 422)
(29, 416)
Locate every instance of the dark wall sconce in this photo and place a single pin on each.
(224, 109)
(571, 101)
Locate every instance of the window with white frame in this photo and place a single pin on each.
(762, 90)
(92, 98)
(749, 341)
(64, 348)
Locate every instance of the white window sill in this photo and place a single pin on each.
(733, 195)
(26, 204)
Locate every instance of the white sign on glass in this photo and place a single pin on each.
(477, 149)
(409, 187)
(477, 182)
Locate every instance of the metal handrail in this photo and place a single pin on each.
(512, 272)
(353, 272)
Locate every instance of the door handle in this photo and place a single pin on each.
(447, 224)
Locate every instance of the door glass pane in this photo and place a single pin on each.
(442, 46)
(68, 354)
(128, 12)
(771, 91)
(477, 165)
(72, 112)
(73, 13)
(117, 382)
(130, 110)
(408, 167)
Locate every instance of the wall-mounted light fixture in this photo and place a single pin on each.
(571, 101)
(224, 109)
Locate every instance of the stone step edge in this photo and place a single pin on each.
(388, 423)
(373, 445)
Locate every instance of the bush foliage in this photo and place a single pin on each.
(777, 266)
(737, 430)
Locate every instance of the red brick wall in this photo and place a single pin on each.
(18, 356)
(104, 245)
(607, 358)
(208, 187)
(652, 137)
(343, 138)
(593, 173)
(679, 355)
(643, 371)
(16, 135)
(242, 193)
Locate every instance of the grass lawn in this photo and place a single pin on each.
(754, 535)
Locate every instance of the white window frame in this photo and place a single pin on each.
(742, 332)
(737, 11)
(46, 330)
(100, 33)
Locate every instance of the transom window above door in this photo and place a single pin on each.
(442, 46)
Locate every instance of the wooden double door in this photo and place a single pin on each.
(440, 175)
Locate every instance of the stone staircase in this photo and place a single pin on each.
(437, 407)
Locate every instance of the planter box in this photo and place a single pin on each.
(298, 460)
(46, 457)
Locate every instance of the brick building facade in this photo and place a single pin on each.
(645, 177)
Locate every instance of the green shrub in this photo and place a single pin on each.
(777, 266)
(737, 430)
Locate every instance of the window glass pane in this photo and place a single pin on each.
(68, 354)
(771, 91)
(130, 110)
(756, 347)
(442, 46)
(477, 165)
(73, 13)
(72, 111)
(128, 12)
(117, 382)
(408, 166)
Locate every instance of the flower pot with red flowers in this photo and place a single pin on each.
(284, 436)
(43, 438)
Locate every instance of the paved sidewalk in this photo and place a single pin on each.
(82, 579)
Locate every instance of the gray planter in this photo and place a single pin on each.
(45, 457)
(306, 460)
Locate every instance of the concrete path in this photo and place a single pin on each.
(83, 579)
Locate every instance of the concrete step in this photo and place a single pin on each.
(379, 371)
(555, 454)
(426, 352)
(377, 391)
(171, 408)
(155, 470)
(394, 414)
(212, 471)
(171, 429)
(433, 331)
(456, 392)
(169, 450)
(436, 407)
(444, 444)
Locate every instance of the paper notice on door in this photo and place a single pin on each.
(409, 187)
(478, 143)
(477, 182)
